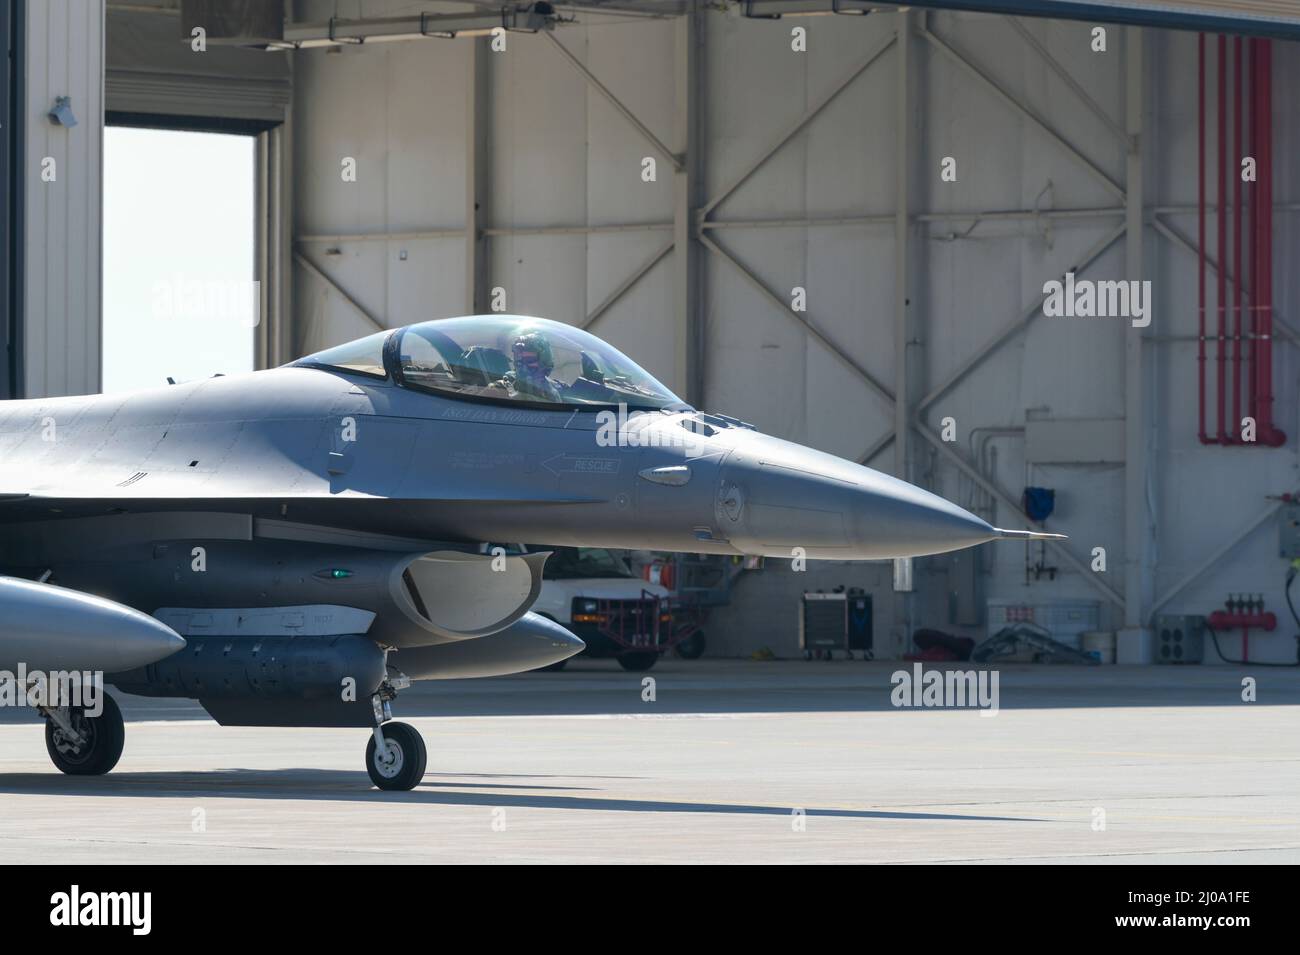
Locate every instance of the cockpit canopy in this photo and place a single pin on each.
(507, 358)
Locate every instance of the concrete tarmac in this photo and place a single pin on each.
(732, 761)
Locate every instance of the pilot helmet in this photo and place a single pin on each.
(531, 347)
(590, 369)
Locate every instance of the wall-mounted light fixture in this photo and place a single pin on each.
(61, 114)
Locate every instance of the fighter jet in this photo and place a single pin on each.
(292, 547)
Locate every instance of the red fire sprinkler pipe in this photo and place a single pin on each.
(1251, 265)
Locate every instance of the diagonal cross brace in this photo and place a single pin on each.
(631, 117)
(885, 394)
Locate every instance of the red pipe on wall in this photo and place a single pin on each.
(1222, 620)
(1252, 274)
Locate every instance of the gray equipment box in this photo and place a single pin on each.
(1180, 638)
(823, 622)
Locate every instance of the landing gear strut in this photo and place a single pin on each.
(83, 745)
(395, 755)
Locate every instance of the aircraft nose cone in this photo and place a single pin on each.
(909, 522)
(776, 496)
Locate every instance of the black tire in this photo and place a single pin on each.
(638, 661)
(406, 768)
(105, 735)
(692, 648)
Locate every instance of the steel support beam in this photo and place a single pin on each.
(881, 219)
(273, 267)
(805, 222)
(609, 229)
(626, 284)
(1137, 432)
(688, 338)
(996, 342)
(971, 69)
(262, 256)
(340, 31)
(902, 168)
(317, 237)
(1056, 67)
(885, 394)
(1210, 562)
(1014, 215)
(312, 268)
(284, 336)
(478, 125)
(904, 381)
(790, 133)
(884, 441)
(887, 218)
(485, 231)
(618, 104)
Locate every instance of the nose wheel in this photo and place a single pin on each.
(399, 763)
(84, 745)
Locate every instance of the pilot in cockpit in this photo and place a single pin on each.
(591, 371)
(533, 363)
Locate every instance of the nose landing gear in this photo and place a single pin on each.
(395, 756)
(84, 745)
(400, 764)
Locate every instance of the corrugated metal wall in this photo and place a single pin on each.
(61, 318)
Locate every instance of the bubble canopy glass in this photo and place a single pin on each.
(512, 359)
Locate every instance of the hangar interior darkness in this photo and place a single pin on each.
(840, 235)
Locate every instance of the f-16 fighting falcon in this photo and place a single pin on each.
(292, 547)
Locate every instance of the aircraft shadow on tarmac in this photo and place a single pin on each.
(343, 785)
(737, 687)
